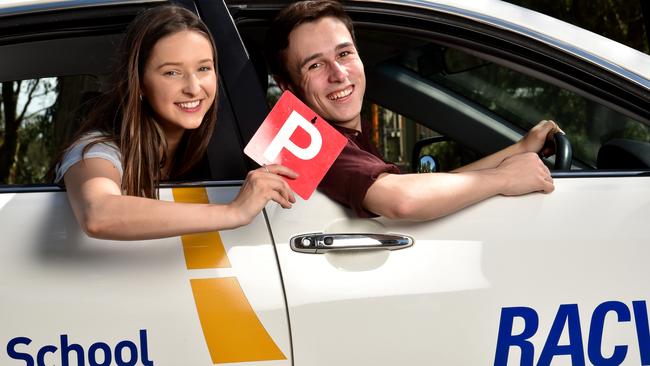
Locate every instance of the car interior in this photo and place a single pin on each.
(478, 101)
(57, 76)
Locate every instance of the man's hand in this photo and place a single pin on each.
(538, 138)
(524, 173)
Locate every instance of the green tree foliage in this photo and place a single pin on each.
(620, 20)
(25, 130)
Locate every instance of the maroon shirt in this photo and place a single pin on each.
(354, 171)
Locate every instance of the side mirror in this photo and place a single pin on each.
(440, 153)
(427, 164)
(424, 161)
(624, 154)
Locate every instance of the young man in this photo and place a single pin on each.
(312, 52)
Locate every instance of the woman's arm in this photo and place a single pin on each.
(93, 187)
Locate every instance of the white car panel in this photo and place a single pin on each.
(110, 291)
(440, 301)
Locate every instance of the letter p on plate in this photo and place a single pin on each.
(289, 137)
(283, 139)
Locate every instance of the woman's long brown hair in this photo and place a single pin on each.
(127, 120)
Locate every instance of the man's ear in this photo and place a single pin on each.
(282, 83)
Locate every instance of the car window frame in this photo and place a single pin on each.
(95, 21)
(499, 45)
(556, 78)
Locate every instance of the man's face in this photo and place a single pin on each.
(326, 71)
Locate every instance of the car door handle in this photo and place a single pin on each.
(317, 243)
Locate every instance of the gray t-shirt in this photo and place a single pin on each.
(74, 154)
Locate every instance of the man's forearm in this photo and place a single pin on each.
(491, 161)
(432, 195)
(429, 196)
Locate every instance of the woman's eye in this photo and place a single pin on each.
(171, 73)
(314, 66)
(345, 53)
(205, 68)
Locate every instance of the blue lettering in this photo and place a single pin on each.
(11, 350)
(145, 348)
(642, 330)
(594, 348)
(506, 339)
(567, 313)
(92, 356)
(99, 353)
(66, 349)
(133, 352)
(40, 356)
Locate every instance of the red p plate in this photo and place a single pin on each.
(295, 136)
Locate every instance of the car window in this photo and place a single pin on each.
(48, 86)
(510, 99)
(514, 97)
(523, 100)
(65, 56)
(37, 117)
(396, 136)
(52, 74)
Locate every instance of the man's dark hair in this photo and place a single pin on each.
(277, 37)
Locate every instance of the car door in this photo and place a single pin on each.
(475, 281)
(197, 299)
(67, 299)
(539, 279)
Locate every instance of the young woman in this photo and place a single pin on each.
(154, 124)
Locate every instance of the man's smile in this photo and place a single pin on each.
(340, 94)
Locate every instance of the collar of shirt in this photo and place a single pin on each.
(360, 138)
(347, 131)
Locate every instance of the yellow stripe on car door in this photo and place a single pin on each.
(204, 250)
(232, 330)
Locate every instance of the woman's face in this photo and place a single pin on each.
(180, 81)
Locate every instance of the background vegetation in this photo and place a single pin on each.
(625, 21)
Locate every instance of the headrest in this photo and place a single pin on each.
(624, 154)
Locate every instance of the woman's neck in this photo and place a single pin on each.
(173, 140)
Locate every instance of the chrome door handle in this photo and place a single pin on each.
(317, 243)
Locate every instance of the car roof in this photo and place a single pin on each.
(596, 49)
(16, 7)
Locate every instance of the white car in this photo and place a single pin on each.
(543, 279)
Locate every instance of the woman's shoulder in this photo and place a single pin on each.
(93, 144)
(95, 136)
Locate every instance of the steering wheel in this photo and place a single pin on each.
(563, 152)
